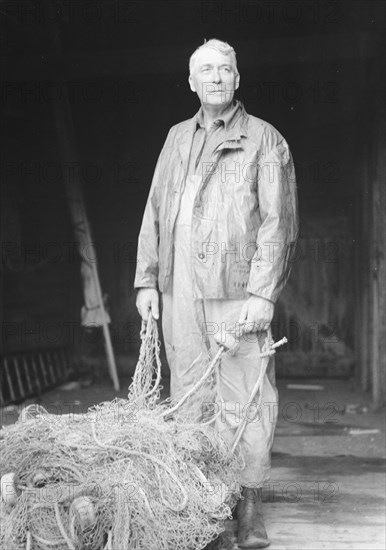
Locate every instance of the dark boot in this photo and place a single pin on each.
(251, 529)
(223, 542)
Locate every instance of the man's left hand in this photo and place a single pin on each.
(256, 314)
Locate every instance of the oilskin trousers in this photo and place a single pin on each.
(189, 326)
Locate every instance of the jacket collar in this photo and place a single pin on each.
(228, 119)
(238, 128)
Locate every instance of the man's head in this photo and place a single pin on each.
(213, 73)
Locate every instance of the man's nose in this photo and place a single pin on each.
(216, 75)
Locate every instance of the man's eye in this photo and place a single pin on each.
(227, 69)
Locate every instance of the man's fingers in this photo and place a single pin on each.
(250, 326)
(142, 309)
(154, 309)
(256, 314)
(256, 326)
(144, 312)
(147, 300)
(263, 325)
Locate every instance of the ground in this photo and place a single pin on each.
(327, 488)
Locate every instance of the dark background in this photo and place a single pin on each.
(313, 69)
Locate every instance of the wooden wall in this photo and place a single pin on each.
(371, 255)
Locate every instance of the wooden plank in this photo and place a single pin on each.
(48, 361)
(43, 370)
(37, 383)
(28, 374)
(378, 363)
(64, 361)
(9, 380)
(24, 361)
(363, 324)
(15, 364)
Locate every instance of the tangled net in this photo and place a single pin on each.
(128, 474)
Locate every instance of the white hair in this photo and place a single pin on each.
(214, 44)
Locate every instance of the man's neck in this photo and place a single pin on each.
(214, 112)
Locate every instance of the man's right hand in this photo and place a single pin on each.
(147, 299)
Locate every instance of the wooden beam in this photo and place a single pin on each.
(66, 140)
(378, 268)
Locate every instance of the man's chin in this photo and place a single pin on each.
(218, 100)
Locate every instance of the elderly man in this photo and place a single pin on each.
(216, 236)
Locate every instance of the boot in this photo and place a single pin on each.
(223, 542)
(251, 529)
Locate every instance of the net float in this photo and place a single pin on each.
(8, 489)
(82, 512)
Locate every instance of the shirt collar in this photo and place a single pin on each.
(227, 120)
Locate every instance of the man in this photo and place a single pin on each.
(218, 228)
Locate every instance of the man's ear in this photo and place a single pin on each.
(237, 83)
(191, 83)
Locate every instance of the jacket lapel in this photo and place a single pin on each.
(231, 141)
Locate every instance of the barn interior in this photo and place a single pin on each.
(89, 92)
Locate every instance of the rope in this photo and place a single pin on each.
(194, 388)
(61, 527)
(267, 352)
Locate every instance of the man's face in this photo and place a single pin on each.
(214, 78)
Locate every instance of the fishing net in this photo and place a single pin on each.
(131, 473)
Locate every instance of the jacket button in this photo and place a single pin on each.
(201, 256)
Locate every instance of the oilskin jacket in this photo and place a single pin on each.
(244, 219)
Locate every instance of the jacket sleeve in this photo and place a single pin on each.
(278, 208)
(146, 275)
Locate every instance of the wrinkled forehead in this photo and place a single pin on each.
(210, 56)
